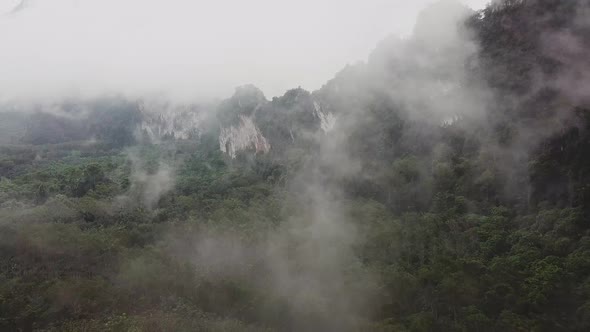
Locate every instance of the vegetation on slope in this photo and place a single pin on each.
(397, 221)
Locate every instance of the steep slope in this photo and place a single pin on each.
(443, 185)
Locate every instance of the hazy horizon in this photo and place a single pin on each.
(186, 49)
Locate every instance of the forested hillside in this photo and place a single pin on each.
(443, 185)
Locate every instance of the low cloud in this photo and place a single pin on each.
(187, 49)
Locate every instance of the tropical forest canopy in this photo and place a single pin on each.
(443, 185)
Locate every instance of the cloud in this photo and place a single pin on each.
(151, 177)
(189, 49)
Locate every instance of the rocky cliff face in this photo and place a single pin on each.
(245, 122)
(160, 120)
(250, 122)
(327, 119)
(244, 136)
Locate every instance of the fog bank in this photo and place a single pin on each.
(188, 49)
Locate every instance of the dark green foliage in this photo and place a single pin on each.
(246, 101)
(478, 224)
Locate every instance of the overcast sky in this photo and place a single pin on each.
(189, 48)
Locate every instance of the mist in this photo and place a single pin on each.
(294, 166)
(185, 49)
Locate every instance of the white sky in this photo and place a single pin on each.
(189, 48)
